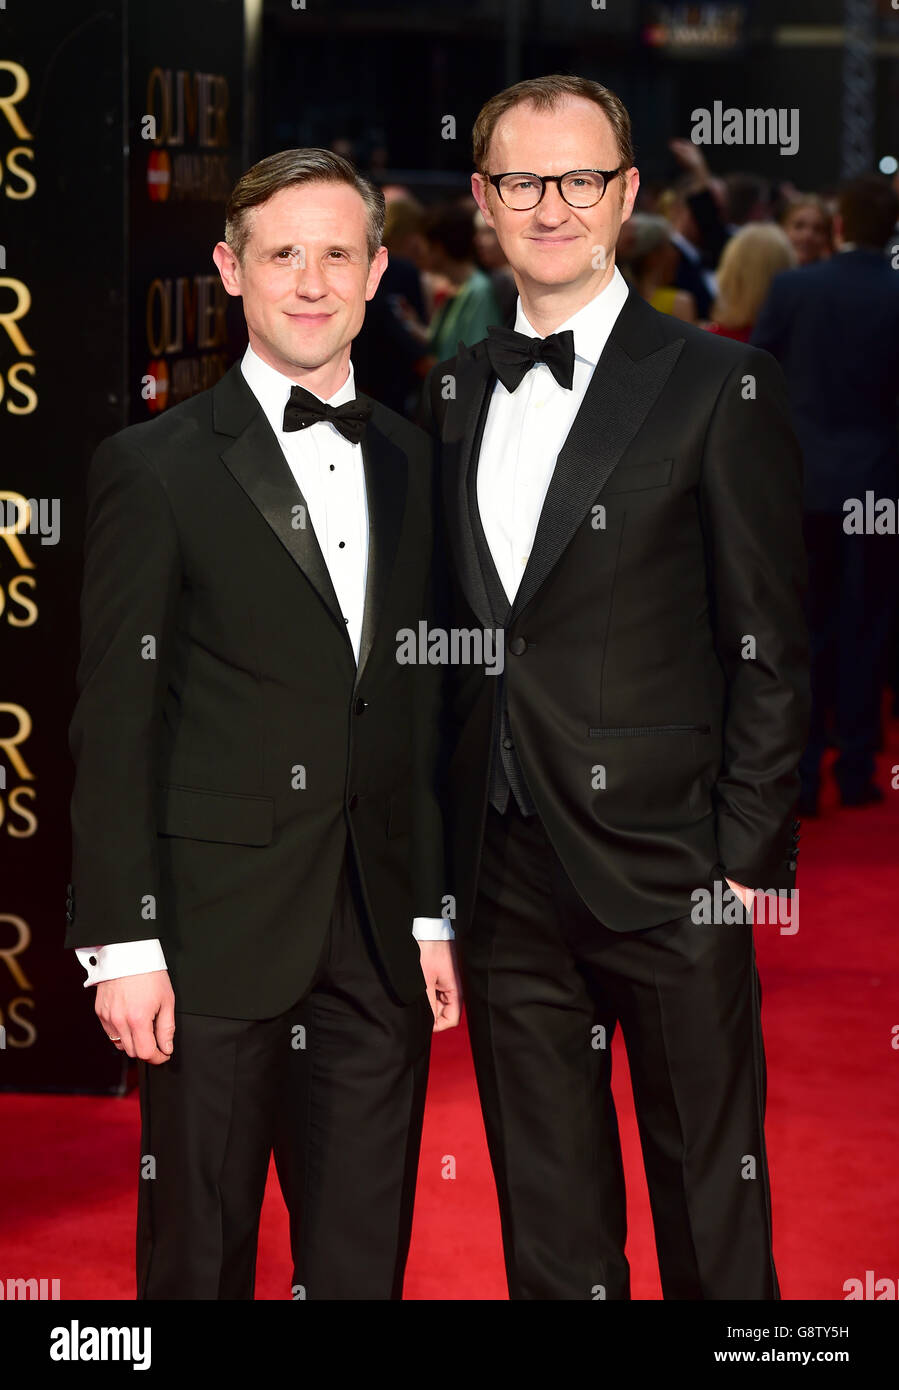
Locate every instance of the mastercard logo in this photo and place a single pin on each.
(159, 176)
(158, 369)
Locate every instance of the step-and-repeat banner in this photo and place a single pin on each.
(121, 133)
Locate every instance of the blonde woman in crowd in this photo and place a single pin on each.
(751, 259)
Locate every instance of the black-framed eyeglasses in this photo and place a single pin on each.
(580, 188)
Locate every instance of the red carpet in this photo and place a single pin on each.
(830, 1004)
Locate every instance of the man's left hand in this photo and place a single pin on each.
(441, 972)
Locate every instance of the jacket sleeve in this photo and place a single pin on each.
(771, 330)
(130, 592)
(432, 405)
(429, 736)
(750, 499)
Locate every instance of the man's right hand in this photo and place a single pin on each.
(137, 1013)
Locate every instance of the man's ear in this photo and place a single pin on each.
(479, 186)
(228, 267)
(375, 271)
(631, 180)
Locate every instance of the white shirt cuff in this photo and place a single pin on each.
(432, 929)
(120, 958)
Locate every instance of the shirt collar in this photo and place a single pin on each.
(272, 389)
(592, 323)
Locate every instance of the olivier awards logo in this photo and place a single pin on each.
(186, 123)
(184, 128)
(187, 338)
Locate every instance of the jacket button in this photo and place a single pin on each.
(518, 646)
(360, 706)
(792, 864)
(507, 743)
(353, 801)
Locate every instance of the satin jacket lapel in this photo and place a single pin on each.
(255, 460)
(474, 380)
(634, 366)
(385, 485)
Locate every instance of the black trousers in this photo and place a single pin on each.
(336, 1086)
(851, 595)
(546, 984)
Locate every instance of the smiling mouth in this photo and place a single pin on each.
(310, 318)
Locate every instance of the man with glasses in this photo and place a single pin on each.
(622, 499)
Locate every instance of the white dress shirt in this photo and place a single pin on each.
(330, 474)
(525, 431)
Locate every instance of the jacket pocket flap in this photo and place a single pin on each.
(635, 476)
(229, 817)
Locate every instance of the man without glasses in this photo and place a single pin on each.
(256, 816)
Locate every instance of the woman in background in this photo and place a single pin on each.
(809, 225)
(750, 261)
(648, 259)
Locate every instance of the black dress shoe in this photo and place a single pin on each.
(864, 796)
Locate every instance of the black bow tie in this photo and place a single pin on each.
(512, 355)
(305, 409)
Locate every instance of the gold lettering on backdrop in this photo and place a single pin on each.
(15, 596)
(18, 597)
(9, 320)
(11, 533)
(10, 100)
(157, 311)
(11, 169)
(187, 315)
(190, 117)
(188, 106)
(158, 103)
(16, 816)
(10, 324)
(8, 954)
(9, 744)
(9, 958)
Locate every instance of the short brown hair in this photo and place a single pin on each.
(869, 208)
(545, 93)
(287, 169)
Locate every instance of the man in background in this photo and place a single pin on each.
(834, 327)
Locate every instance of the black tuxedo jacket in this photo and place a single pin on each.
(656, 652)
(226, 744)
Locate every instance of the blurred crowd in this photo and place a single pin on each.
(812, 277)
